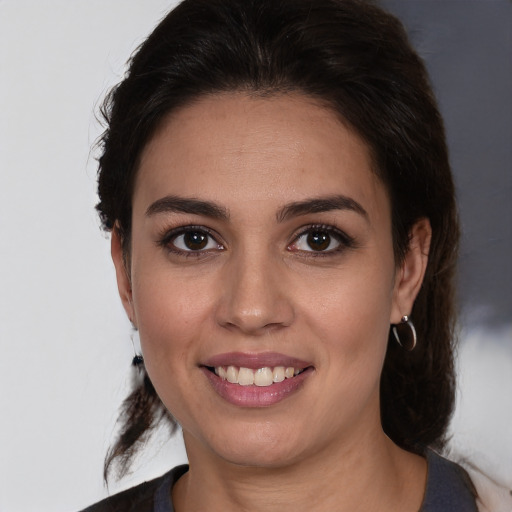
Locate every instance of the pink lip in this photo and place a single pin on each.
(255, 361)
(255, 396)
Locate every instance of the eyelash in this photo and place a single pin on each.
(344, 241)
(167, 239)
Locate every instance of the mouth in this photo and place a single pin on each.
(261, 377)
(256, 380)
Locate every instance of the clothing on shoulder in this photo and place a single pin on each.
(449, 489)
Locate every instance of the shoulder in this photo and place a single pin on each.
(449, 487)
(140, 498)
(492, 496)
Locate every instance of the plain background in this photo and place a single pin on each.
(65, 348)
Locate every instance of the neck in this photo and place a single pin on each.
(370, 474)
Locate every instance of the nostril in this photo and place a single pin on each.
(253, 300)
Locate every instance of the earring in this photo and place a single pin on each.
(137, 360)
(405, 334)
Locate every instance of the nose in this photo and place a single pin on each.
(254, 297)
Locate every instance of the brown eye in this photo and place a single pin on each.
(192, 240)
(318, 240)
(195, 240)
(325, 240)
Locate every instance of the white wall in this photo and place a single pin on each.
(65, 345)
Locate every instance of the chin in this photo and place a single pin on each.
(259, 457)
(256, 445)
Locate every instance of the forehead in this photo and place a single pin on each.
(239, 149)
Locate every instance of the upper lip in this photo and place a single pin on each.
(254, 360)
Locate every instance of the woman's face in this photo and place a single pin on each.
(262, 242)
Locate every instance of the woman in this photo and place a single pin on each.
(284, 231)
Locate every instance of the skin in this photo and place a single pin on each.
(258, 286)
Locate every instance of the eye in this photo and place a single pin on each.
(318, 241)
(190, 240)
(321, 239)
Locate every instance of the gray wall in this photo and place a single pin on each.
(467, 46)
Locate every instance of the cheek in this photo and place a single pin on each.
(350, 312)
(171, 311)
(171, 316)
(354, 327)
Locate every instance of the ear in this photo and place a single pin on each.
(409, 276)
(124, 284)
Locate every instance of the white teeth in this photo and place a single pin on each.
(261, 377)
(278, 374)
(245, 377)
(232, 374)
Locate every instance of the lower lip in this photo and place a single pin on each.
(256, 396)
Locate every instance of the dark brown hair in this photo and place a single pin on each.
(355, 58)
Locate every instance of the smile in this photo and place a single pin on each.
(256, 380)
(262, 377)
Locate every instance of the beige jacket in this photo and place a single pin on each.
(492, 497)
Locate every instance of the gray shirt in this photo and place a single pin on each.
(449, 489)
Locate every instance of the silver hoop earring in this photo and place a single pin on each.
(405, 334)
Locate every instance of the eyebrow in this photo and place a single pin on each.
(320, 204)
(177, 204)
